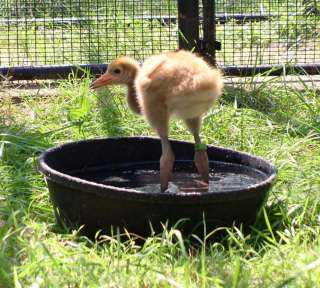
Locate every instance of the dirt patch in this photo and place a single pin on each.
(298, 82)
(15, 91)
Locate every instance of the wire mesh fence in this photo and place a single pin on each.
(268, 32)
(84, 31)
(252, 33)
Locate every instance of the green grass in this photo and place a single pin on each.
(272, 120)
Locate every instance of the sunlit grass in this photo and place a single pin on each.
(271, 120)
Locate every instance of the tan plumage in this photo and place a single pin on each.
(178, 84)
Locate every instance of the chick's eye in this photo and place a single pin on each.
(116, 71)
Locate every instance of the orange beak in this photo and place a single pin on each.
(104, 80)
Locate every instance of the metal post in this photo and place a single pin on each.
(188, 22)
(209, 44)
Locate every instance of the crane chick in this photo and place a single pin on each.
(178, 84)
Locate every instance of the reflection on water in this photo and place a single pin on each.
(223, 178)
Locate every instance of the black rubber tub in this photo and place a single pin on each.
(102, 184)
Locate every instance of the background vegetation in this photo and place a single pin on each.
(272, 119)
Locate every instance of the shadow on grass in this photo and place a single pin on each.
(249, 241)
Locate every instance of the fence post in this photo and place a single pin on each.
(188, 23)
(209, 45)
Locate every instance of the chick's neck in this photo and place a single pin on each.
(132, 99)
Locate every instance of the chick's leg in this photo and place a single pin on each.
(166, 163)
(200, 156)
(160, 121)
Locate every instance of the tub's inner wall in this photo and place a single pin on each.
(99, 152)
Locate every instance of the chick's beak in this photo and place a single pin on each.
(103, 80)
